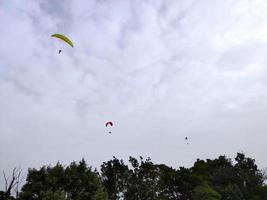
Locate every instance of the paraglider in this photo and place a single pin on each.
(109, 123)
(186, 138)
(63, 38)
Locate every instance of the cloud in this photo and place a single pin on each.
(161, 70)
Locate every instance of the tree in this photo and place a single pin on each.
(115, 177)
(205, 192)
(169, 183)
(12, 184)
(143, 180)
(248, 177)
(55, 195)
(76, 181)
(232, 192)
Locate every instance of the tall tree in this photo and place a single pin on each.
(115, 177)
(76, 181)
(248, 177)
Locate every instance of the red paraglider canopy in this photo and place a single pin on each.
(109, 123)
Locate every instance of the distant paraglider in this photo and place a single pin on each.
(109, 123)
(186, 138)
(63, 38)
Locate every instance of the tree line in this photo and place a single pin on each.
(141, 179)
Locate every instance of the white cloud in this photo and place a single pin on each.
(161, 70)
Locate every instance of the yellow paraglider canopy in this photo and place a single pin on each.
(64, 38)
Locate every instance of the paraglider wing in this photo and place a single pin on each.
(109, 123)
(64, 38)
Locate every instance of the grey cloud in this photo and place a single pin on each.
(161, 70)
(60, 12)
(238, 58)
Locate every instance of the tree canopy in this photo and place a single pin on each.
(141, 179)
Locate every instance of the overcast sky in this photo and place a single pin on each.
(161, 70)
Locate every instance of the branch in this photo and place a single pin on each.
(6, 179)
(14, 183)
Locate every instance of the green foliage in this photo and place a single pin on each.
(141, 179)
(76, 181)
(248, 177)
(5, 196)
(114, 177)
(55, 195)
(169, 183)
(205, 192)
(232, 192)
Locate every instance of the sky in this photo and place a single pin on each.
(160, 70)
